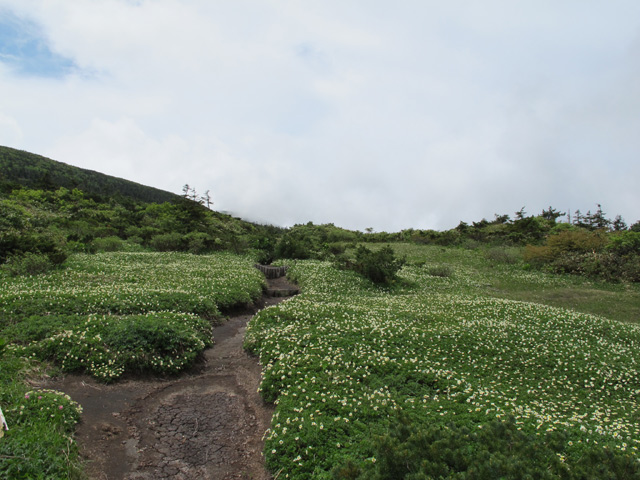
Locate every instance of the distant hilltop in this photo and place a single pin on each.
(20, 168)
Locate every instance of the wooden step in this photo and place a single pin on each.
(282, 292)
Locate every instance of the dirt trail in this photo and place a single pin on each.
(207, 424)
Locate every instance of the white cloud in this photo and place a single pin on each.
(417, 114)
(10, 131)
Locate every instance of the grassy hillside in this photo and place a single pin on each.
(49, 210)
(20, 168)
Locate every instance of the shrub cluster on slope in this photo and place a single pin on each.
(610, 256)
(39, 228)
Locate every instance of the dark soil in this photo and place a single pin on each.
(206, 424)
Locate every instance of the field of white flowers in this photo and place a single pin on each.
(344, 357)
(112, 312)
(132, 283)
(103, 314)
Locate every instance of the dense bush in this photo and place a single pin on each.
(592, 253)
(108, 244)
(625, 243)
(55, 222)
(28, 264)
(380, 266)
(168, 242)
(497, 450)
(320, 242)
(295, 245)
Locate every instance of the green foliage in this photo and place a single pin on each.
(116, 312)
(50, 208)
(313, 241)
(379, 266)
(168, 242)
(37, 172)
(28, 264)
(625, 243)
(57, 222)
(592, 253)
(498, 449)
(108, 244)
(509, 255)
(133, 283)
(295, 244)
(107, 346)
(38, 444)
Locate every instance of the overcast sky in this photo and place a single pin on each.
(362, 113)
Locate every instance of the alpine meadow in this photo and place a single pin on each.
(505, 348)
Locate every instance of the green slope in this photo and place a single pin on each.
(35, 171)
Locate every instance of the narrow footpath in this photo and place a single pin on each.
(206, 424)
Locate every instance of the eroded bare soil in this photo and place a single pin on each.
(207, 424)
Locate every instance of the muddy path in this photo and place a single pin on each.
(205, 424)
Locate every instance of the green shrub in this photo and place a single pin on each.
(538, 255)
(630, 270)
(168, 242)
(17, 243)
(497, 450)
(379, 266)
(198, 242)
(38, 327)
(295, 246)
(40, 423)
(320, 242)
(577, 241)
(625, 243)
(108, 244)
(159, 342)
(337, 248)
(611, 257)
(28, 264)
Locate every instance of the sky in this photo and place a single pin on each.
(361, 113)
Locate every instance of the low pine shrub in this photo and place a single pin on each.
(28, 264)
(498, 449)
(108, 244)
(168, 242)
(379, 266)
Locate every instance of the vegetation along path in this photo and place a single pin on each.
(206, 425)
